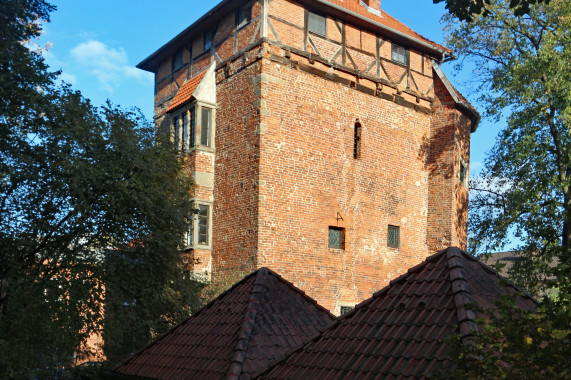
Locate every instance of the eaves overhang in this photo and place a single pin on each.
(462, 104)
(151, 62)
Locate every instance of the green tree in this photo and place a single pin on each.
(465, 10)
(90, 207)
(523, 72)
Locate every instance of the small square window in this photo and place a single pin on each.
(398, 54)
(208, 40)
(393, 237)
(244, 15)
(336, 238)
(317, 24)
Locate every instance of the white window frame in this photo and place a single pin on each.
(192, 234)
(193, 113)
(396, 46)
(341, 304)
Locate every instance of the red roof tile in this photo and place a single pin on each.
(184, 94)
(385, 19)
(399, 332)
(254, 324)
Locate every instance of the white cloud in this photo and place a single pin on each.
(108, 65)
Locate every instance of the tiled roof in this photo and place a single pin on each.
(399, 332)
(385, 19)
(184, 94)
(238, 335)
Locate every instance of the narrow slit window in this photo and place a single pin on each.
(190, 240)
(177, 60)
(393, 237)
(336, 238)
(462, 173)
(398, 54)
(357, 141)
(205, 130)
(317, 24)
(208, 41)
(176, 131)
(185, 130)
(203, 224)
(192, 132)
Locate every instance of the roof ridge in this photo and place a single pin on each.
(181, 324)
(258, 290)
(461, 292)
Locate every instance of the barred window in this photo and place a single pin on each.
(345, 309)
(393, 237)
(336, 238)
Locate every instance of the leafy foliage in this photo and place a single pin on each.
(513, 344)
(523, 67)
(465, 10)
(92, 209)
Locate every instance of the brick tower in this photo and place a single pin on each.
(324, 140)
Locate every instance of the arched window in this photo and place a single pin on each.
(357, 140)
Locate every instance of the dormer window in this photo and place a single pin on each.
(398, 54)
(193, 127)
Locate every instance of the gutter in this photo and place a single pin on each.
(143, 65)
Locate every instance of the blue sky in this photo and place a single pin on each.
(98, 43)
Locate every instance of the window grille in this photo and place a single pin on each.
(393, 237)
(345, 309)
(317, 24)
(398, 54)
(336, 238)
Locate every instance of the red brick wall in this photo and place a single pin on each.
(284, 169)
(308, 176)
(448, 200)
